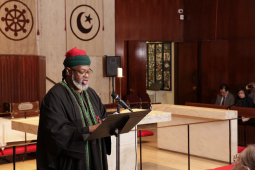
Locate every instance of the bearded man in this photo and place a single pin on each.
(69, 112)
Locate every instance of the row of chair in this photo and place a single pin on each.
(141, 101)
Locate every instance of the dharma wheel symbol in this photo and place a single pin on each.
(15, 20)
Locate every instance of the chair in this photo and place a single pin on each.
(240, 149)
(146, 101)
(145, 133)
(134, 101)
(227, 167)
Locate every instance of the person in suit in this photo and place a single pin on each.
(225, 97)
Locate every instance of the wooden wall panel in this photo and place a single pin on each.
(136, 67)
(235, 19)
(187, 73)
(150, 16)
(241, 63)
(214, 68)
(200, 19)
(172, 26)
(127, 19)
(121, 50)
(148, 20)
(22, 78)
(229, 62)
(41, 78)
(154, 20)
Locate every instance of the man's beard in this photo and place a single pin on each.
(79, 85)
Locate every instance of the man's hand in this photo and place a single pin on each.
(93, 128)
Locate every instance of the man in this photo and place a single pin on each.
(69, 112)
(225, 97)
(251, 88)
(246, 159)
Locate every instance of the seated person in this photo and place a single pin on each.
(225, 97)
(246, 159)
(251, 88)
(243, 100)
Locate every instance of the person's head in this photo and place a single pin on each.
(241, 92)
(77, 69)
(246, 159)
(224, 89)
(253, 86)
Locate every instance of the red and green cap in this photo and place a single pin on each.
(75, 57)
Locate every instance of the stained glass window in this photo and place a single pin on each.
(159, 65)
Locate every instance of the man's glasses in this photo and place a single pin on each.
(236, 157)
(88, 72)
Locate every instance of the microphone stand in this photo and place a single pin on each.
(118, 108)
(229, 107)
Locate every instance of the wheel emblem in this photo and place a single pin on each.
(18, 20)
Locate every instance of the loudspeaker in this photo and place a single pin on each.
(112, 64)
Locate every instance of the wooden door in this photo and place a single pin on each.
(136, 67)
(186, 74)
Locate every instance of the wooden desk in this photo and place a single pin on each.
(209, 140)
(26, 125)
(7, 134)
(127, 140)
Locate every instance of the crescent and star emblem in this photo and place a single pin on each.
(79, 25)
(85, 22)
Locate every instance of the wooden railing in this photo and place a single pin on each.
(242, 111)
(245, 130)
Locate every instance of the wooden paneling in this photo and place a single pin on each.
(42, 77)
(229, 62)
(150, 16)
(235, 19)
(187, 73)
(241, 63)
(22, 78)
(154, 20)
(171, 25)
(214, 68)
(148, 20)
(121, 50)
(136, 67)
(127, 19)
(200, 19)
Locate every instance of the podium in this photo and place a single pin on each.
(115, 125)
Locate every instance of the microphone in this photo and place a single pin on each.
(229, 107)
(121, 102)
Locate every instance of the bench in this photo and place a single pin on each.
(18, 149)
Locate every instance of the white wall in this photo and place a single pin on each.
(52, 42)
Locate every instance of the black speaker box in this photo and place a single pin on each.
(112, 64)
